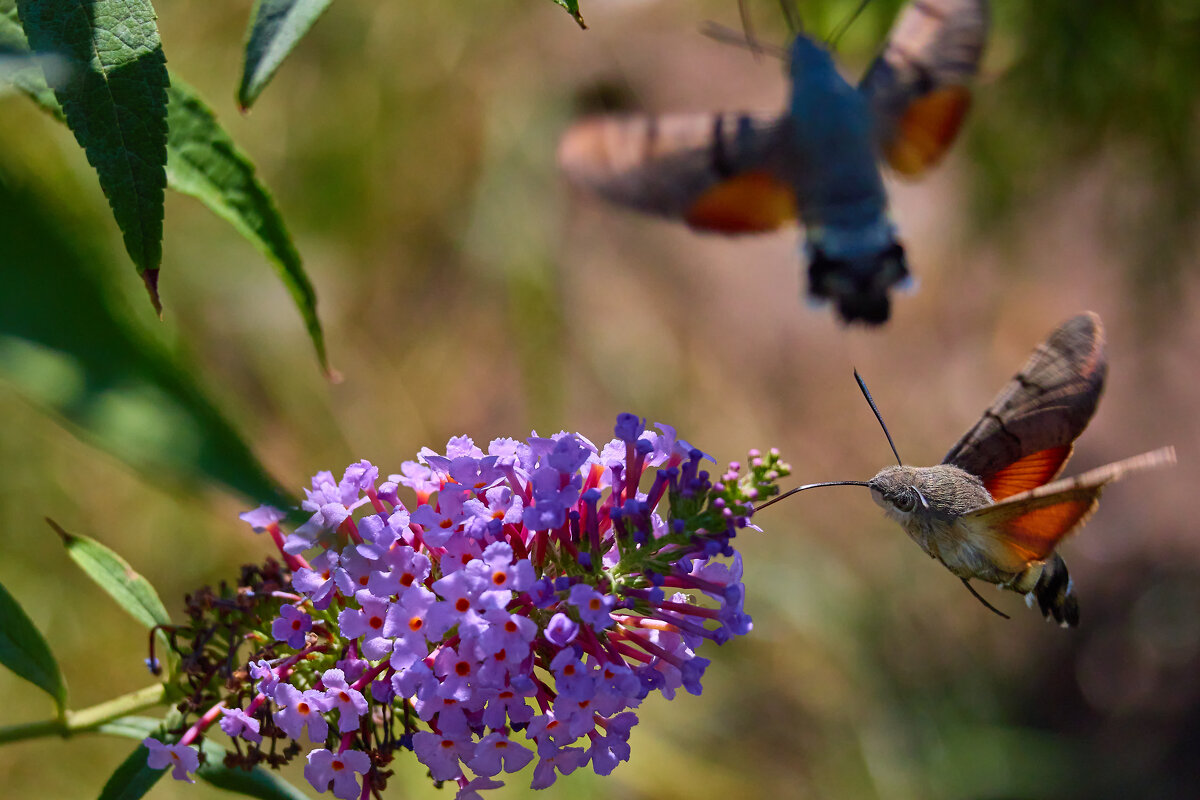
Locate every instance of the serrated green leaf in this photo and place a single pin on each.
(276, 26)
(204, 162)
(114, 575)
(133, 778)
(572, 6)
(115, 101)
(88, 363)
(25, 652)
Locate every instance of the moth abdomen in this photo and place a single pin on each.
(1054, 591)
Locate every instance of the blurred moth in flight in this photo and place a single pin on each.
(992, 509)
(749, 173)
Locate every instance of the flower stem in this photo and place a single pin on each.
(86, 720)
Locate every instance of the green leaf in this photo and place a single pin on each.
(115, 101)
(25, 652)
(131, 727)
(204, 162)
(114, 575)
(572, 6)
(133, 778)
(256, 782)
(276, 26)
(88, 363)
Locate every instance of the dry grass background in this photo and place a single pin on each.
(465, 290)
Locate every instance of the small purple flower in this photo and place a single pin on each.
(549, 733)
(441, 753)
(499, 505)
(562, 630)
(341, 770)
(380, 533)
(629, 427)
(461, 590)
(317, 583)
(566, 761)
(440, 523)
(498, 572)
(352, 572)
(511, 634)
(266, 676)
(359, 477)
(457, 670)
(300, 710)
(568, 455)
(236, 722)
(368, 623)
(511, 453)
(291, 626)
(408, 570)
(617, 687)
(330, 503)
(181, 758)
(262, 517)
(353, 668)
(418, 477)
(348, 701)
(415, 681)
(475, 473)
(608, 751)
(409, 624)
(593, 607)
(509, 704)
(550, 500)
(495, 753)
(573, 680)
(471, 789)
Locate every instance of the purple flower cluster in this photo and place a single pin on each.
(530, 589)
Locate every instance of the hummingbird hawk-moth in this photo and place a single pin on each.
(992, 510)
(818, 161)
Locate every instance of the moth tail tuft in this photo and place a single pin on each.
(1055, 593)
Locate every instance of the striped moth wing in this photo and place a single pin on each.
(714, 171)
(1026, 436)
(1027, 527)
(919, 86)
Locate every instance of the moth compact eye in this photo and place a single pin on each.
(906, 501)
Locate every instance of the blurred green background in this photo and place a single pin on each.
(465, 290)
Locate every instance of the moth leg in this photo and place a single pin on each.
(979, 597)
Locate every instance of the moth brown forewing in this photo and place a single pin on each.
(818, 161)
(992, 510)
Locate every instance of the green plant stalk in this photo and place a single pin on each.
(88, 719)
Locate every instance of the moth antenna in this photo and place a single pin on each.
(841, 29)
(748, 27)
(979, 597)
(791, 492)
(871, 402)
(725, 35)
(790, 13)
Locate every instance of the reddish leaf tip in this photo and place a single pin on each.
(150, 278)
